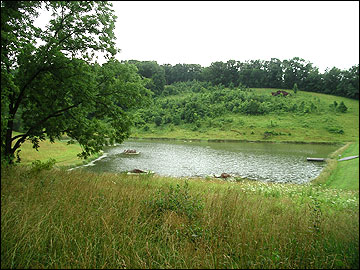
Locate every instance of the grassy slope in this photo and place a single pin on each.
(64, 154)
(346, 174)
(294, 127)
(84, 220)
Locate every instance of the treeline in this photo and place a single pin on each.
(254, 73)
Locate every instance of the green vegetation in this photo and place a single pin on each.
(64, 154)
(57, 219)
(255, 73)
(50, 84)
(346, 174)
(53, 218)
(202, 111)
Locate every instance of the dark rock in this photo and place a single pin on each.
(137, 171)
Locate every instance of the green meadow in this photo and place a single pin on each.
(64, 154)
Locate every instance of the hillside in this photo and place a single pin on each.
(200, 111)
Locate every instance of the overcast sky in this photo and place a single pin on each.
(326, 33)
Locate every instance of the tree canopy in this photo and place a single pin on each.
(51, 85)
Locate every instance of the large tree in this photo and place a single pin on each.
(50, 83)
(154, 72)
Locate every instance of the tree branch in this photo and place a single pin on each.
(27, 134)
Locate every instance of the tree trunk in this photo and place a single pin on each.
(9, 152)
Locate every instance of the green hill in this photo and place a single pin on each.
(202, 111)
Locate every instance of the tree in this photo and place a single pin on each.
(349, 84)
(295, 88)
(48, 77)
(274, 73)
(154, 72)
(332, 78)
(296, 70)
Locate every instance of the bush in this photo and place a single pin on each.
(178, 200)
(38, 166)
(295, 88)
(158, 120)
(146, 127)
(341, 108)
(335, 130)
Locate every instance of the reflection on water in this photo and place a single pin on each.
(259, 161)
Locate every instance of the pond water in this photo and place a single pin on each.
(275, 162)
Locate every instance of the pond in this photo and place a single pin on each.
(275, 162)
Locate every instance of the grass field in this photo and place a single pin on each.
(77, 219)
(346, 173)
(64, 154)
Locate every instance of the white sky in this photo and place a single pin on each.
(326, 33)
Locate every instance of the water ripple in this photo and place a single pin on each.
(258, 161)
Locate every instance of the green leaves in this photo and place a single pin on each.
(48, 81)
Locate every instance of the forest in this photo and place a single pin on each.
(254, 74)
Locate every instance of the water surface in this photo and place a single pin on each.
(276, 162)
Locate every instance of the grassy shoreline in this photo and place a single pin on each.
(66, 155)
(231, 140)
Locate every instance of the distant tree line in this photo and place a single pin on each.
(255, 73)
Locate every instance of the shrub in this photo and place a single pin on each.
(295, 88)
(146, 127)
(158, 120)
(341, 108)
(37, 166)
(334, 129)
(176, 199)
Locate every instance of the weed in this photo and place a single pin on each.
(177, 199)
(38, 166)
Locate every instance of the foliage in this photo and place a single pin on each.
(176, 199)
(38, 166)
(48, 83)
(152, 71)
(295, 88)
(259, 73)
(341, 108)
(192, 104)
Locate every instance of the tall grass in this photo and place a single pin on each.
(77, 219)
